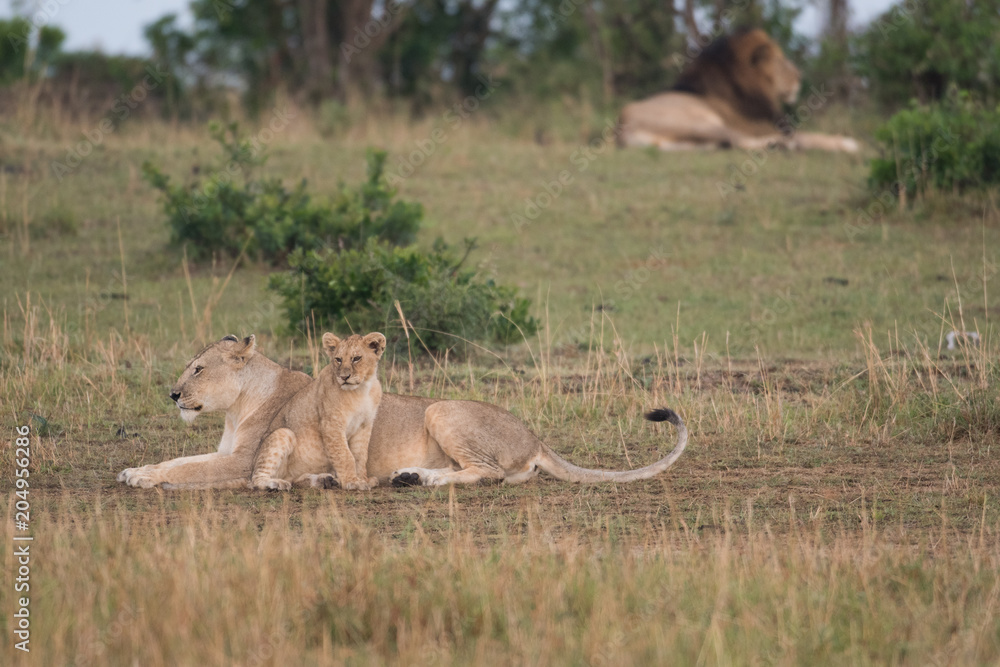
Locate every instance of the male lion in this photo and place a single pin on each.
(414, 440)
(328, 422)
(730, 95)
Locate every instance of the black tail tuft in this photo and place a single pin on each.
(663, 415)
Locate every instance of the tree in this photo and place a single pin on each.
(921, 49)
(313, 48)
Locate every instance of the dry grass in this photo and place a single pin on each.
(192, 584)
(837, 503)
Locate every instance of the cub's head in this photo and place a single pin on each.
(353, 359)
(211, 381)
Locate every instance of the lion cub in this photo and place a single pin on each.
(327, 423)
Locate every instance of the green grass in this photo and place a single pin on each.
(837, 503)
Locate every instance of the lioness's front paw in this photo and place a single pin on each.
(402, 478)
(129, 473)
(142, 480)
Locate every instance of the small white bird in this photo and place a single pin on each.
(954, 336)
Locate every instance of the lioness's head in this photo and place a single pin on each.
(353, 359)
(211, 379)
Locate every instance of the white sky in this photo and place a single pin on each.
(115, 26)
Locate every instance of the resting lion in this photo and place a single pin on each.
(730, 95)
(414, 440)
(328, 423)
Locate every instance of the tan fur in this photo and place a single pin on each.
(414, 440)
(326, 426)
(730, 100)
(229, 376)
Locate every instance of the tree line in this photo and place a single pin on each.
(422, 52)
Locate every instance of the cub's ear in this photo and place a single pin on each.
(330, 343)
(376, 342)
(244, 349)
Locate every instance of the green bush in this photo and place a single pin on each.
(921, 49)
(952, 146)
(229, 209)
(356, 290)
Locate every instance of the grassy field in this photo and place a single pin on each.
(837, 503)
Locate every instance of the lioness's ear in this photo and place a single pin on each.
(246, 348)
(330, 343)
(376, 342)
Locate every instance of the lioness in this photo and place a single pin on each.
(327, 423)
(414, 440)
(730, 95)
(227, 375)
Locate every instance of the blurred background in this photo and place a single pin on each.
(412, 57)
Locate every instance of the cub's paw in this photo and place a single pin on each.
(323, 481)
(400, 479)
(279, 485)
(357, 485)
(271, 484)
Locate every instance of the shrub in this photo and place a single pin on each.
(356, 289)
(921, 49)
(230, 209)
(951, 146)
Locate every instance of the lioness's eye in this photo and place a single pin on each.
(198, 369)
(357, 358)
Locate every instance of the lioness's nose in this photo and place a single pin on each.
(174, 395)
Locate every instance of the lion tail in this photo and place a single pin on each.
(562, 469)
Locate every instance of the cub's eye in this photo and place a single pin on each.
(356, 359)
(338, 360)
(198, 369)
